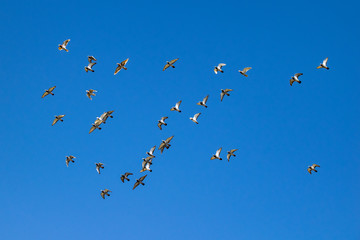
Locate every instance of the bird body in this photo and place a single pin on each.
(176, 107)
(324, 64)
(170, 64)
(312, 168)
(231, 153)
(224, 92)
(63, 45)
(203, 102)
(48, 91)
(121, 66)
(99, 166)
(295, 78)
(243, 72)
(218, 68)
(58, 118)
(217, 155)
(195, 117)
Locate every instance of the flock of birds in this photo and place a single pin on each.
(165, 144)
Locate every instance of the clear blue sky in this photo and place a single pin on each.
(263, 193)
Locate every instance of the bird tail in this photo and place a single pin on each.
(221, 71)
(66, 50)
(245, 75)
(173, 66)
(299, 82)
(125, 68)
(315, 170)
(143, 184)
(327, 68)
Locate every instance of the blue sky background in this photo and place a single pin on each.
(263, 193)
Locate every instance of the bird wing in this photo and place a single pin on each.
(65, 43)
(309, 170)
(142, 178)
(67, 162)
(228, 90)
(298, 74)
(173, 61)
(92, 129)
(315, 165)
(212, 158)
(136, 184)
(169, 139)
(228, 156)
(166, 66)
(118, 68)
(222, 95)
(159, 125)
(325, 61)
(128, 174)
(152, 149)
(91, 64)
(55, 121)
(233, 150)
(102, 194)
(123, 63)
(45, 94)
(221, 65)
(178, 104)
(291, 81)
(215, 70)
(164, 118)
(218, 152)
(91, 58)
(205, 99)
(161, 147)
(98, 169)
(246, 69)
(122, 178)
(196, 116)
(52, 88)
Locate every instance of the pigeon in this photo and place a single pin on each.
(96, 125)
(312, 168)
(99, 166)
(89, 67)
(125, 176)
(105, 192)
(176, 108)
(170, 64)
(91, 58)
(90, 92)
(151, 152)
(57, 118)
(146, 164)
(217, 155)
(48, 91)
(203, 102)
(121, 66)
(165, 144)
(323, 64)
(69, 159)
(243, 72)
(224, 92)
(162, 122)
(63, 45)
(218, 68)
(195, 117)
(231, 153)
(139, 181)
(105, 116)
(295, 78)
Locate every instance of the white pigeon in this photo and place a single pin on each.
(177, 107)
(195, 117)
(63, 45)
(162, 122)
(218, 68)
(203, 102)
(217, 155)
(89, 67)
(323, 64)
(295, 78)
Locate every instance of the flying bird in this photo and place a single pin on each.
(90, 92)
(295, 78)
(224, 92)
(63, 45)
(48, 91)
(105, 193)
(57, 118)
(125, 176)
(231, 153)
(69, 159)
(312, 168)
(96, 125)
(151, 152)
(177, 107)
(139, 181)
(243, 72)
(170, 64)
(165, 144)
(105, 116)
(147, 162)
(195, 117)
(203, 102)
(323, 64)
(89, 67)
(99, 166)
(218, 68)
(162, 122)
(91, 58)
(121, 66)
(217, 155)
